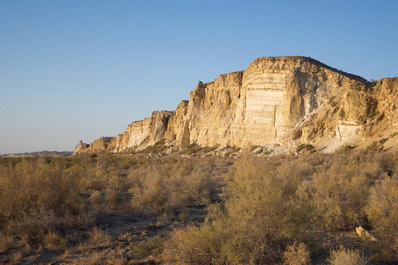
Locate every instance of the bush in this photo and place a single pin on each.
(169, 187)
(382, 211)
(30, 188)
(260, 213)
(307, 147)
(338, 190)
(344, 256)
(339, 200)
(37, 197)
(296, 254)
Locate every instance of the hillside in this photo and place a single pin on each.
(277, 103)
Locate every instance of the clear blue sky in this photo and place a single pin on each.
(75, 70)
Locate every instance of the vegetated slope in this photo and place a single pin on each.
(277, 103)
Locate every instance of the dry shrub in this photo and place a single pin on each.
(194, 245)
(98, 239)
(55, 241)
(339, 200)
(296, 254)
(166, 188)
(269, 202)
(338, 191)
(260, 213)
(6, 242)
(344, 256)
(151, 247)
(383, 214)
(36, 197)
(101, 258)
(29, 188)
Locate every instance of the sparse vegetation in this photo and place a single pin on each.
(344, 256)
(297, 254)
(49, 202)
(304, 147)
(278, 210)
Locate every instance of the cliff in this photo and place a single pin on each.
(281, 101)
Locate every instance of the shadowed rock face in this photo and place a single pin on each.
(276, 100)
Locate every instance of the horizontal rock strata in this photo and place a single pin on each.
(276, 100)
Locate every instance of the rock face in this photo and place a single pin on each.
(102, 144)
(141, 134)
(386, 94)
(276, 100)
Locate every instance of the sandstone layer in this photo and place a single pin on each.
(283, 101)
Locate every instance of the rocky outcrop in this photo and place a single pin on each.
(386, 94)
(276, 100)
(103, 144)
(141, 134)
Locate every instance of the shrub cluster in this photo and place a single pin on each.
(47, 202)
(294, 209)
(297, 209)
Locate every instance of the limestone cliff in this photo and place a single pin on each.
(103, 144)
(386, 95)
(141, 134)
(276, 100)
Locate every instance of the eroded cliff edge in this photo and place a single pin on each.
(282, 101)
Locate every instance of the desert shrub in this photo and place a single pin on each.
(55, 241)
(98, 239)
(191, 148)
(383, 140)
(296, 254)
(339, 200)
(302, 147)
(382, 212)
(344, 256)
(259, 215)
(30, 188)
(375, 146)
(194, 245)
(345, 148)
(152, 246)
(168, 187)
(38, 201)
(157, 148)
(33, 229)
(338, 190)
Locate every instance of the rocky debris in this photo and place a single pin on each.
(362, 233)
(283, 101)
(258, 150)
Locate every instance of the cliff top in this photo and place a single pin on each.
(312, 61)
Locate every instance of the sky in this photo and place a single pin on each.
(74, 70)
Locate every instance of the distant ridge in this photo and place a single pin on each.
(39, 154)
